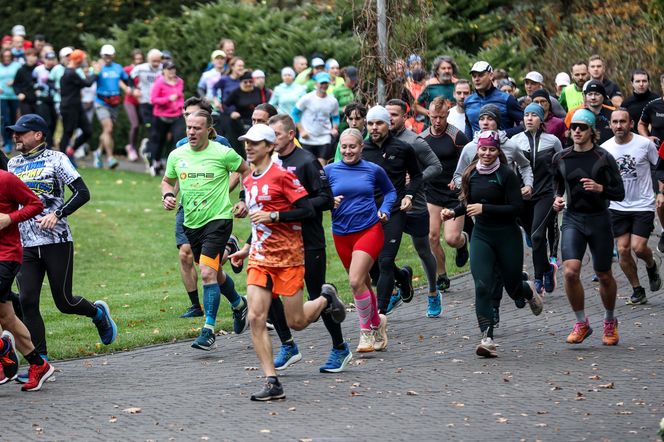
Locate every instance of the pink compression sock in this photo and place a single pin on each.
(364, 308)
(375, 319)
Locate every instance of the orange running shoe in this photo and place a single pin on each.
(610, 332)
(580, 332)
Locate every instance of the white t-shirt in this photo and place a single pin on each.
(457, 119)
(316, 117)
(634, 160)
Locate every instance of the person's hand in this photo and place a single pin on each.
(447, 214)
(406, 204)
(337, 200)
(136, 92)
(451, 185)
(304, 134)
(526, 192)
(238, 257)
(260, 217)
(21, 97)
(240, 209)
(334, 132)
(474, 209)
(47, 222)
(558, 203)
(591, 186)
(660, 200)
(173, 97)
(5, 220)
(235, 115)
(383, 217)
(169, 202)
(655, 140)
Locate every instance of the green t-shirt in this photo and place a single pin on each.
(344, 95)
(432, 91)
(203, 178)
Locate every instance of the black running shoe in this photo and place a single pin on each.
(462, 254)
(653, 278)
(335, 307)
(407, 290)
(194, 311)
(638, 296)
(269, 392)
(443, 282)
(232, 246)
(660, 244)
(240, 317)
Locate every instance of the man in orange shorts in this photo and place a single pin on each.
(277, 202)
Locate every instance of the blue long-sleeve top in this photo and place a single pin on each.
(356, 182)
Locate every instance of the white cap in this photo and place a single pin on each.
(562, 79)
(316, 62)
(107, 50)
(259, 132)
(66, 51)
(288, 71)
(535, 77)
(481, 66)
(258, 74)
(18, 30)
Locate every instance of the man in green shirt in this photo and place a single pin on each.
(202, 169)
(440, 85)
(572, 95)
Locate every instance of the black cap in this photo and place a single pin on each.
(246, 76)
(594, 86)
(166, 55)
(29, 122)
(51, 55)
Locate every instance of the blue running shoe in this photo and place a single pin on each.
(539, 286)
(529, 241)
(240, 317)
(194, 311)
(205, 341)
(288, 355)
(435, 308)
(113, 163)
(106, 327)
(96, 159)
(395, 301)
(550, 279)
(337, 360)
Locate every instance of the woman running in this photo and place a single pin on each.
(490, 192)
(357, 230)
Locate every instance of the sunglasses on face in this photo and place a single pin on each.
(580, 126)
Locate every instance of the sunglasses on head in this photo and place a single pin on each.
(581, 126)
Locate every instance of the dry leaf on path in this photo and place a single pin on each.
(133, 410)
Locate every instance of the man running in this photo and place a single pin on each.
(633, 217)
(202, 168)
(589, 176)
(48, 248)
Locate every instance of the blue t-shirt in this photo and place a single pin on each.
(108, 82)
(357, 183)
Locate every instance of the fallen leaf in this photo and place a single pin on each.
(265, 431)
(292, 409)
(113, 419)
(132, 410)
(502, 420)
(412, 393)
(595, 377)
(609, 386)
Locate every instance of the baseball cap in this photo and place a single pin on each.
(594, 86)
(317, 62)
(67, 50)
(481, 66)
(562, 79)
(166, 55)
(29, 122)
(18, 30)
(217, 53)
(322, 77)
(535, 77)
(258, 74)
(259, 132)
(351, 72)
(584, 116)
(51, 55)
(77, 56)
(107, 50)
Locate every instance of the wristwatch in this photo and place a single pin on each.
(58, 213)
(274, 216)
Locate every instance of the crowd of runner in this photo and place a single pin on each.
(469, 159)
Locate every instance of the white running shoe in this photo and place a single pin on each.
(486, 348)
(366, 344)
(380, 343)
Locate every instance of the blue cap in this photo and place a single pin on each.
(322, 77)
(535, 109)
(584, 116)
(29, 122)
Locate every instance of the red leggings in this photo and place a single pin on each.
(368, 240)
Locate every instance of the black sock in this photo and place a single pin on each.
(341, 346)
(33, 358)
(273, 380)
(193, 297)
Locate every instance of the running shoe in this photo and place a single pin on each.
(112, 163)
(3, 378)
(610, 332)
(69, 151)
(539, 285)
(486, 347)
(653, 278)
(269, 392)
(595, 278)
(106, 327)
(9, 359)
(407, 290)
(442, 282)
(496, 317)
(96, 159)
(580, 332)
(37, 374)
(22, 378)
(529, 241)
(288, 355)
(337, 360)
(205, 341)
(81, 152)
(240, 317)
(380, 337)
(194, 311)
(367, 339)
(660, 244)
(335, 308)
(462, 254)
(131, 153)
(232, 246)
(535, 303)
(395, 301)
(550, 278)
(638, 296)
(434, 309)
(525, 276)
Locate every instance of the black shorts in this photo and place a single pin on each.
(209, 240)
(593, 231)
(319, 150)
(445, 198)
(637, 223)
(417, 224)
(8, 271)
(180, 237)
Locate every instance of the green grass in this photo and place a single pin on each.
(125, 254)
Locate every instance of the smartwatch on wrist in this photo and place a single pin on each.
(274, 216)
(58, 213)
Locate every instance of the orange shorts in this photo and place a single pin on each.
(284, 281)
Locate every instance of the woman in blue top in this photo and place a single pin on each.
(287, 93)
(358, 232)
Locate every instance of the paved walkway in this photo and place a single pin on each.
(428, 385)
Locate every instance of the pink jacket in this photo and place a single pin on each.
(161, 98)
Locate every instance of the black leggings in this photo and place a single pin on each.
(73, 118)
(159, 132)
(382, 271)
(535, 218)
(314, 278)
(57, 262)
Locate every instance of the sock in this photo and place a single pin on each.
(273, 380)
(33, 358)
(193, 297)
(375, 318)
(228, 290)
(608, 315)
(341, 346)
(363, 303)
(211, 298)
(580, 316)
